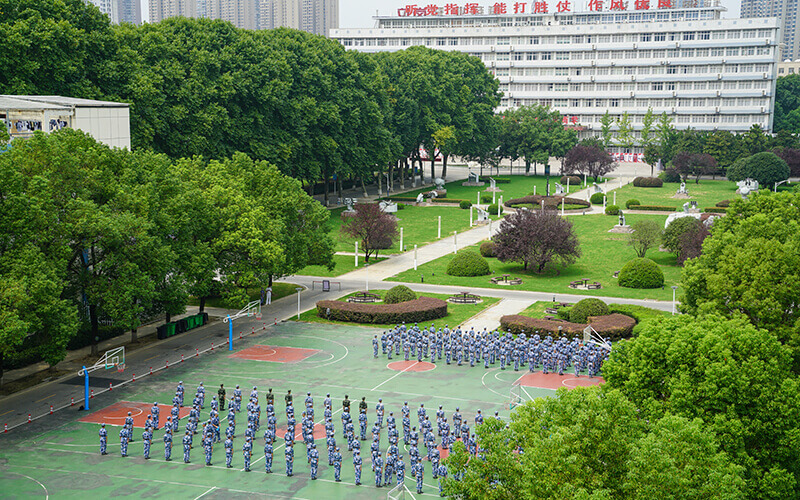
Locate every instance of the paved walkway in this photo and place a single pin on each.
(490, 318)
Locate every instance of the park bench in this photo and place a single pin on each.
(465, 298)
(550, 310)
(594, 286)
(364, 297)
(506, 279)
(575, 284)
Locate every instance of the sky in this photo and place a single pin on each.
(358, 13)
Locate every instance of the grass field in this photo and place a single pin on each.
(420, 227)
(279, 290)
(602, 253)
(519, 186)
(344, 264)
(706, 194)
(58, 456)
(457, 314)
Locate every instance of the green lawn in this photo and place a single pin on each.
(639, 313)
(279, 290)
(344, 264)
(519, 186)
(603, 253)
(457, 314)
(419, 227)
(706, 194)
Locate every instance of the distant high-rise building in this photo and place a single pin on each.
(277, 13)
(241, 13)
(163, 9)
(785, 10)
(319, 16)
(127, 11)
(105, 6)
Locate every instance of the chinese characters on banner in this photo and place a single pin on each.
(566, 120)
(534, 7)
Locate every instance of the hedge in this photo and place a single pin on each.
(723, 203)
(648, 182)
(654, 208)
(498, 180)
(716, 210)
(446, 200)
(632, 203)
(412, 311)
(614, 326)
(549, 201)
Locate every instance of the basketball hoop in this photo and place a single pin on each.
(258, 315)
(120, 367)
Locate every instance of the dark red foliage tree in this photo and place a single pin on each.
(792, 158)
(696, 164)
(590, 160)
(691, 243)
(537, 238)
(374, 228)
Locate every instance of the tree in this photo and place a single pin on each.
(646, 234)
(625, 138)
(374, 228)
(750, 266)
(666, 134)
(754, 141)
(691, 243)
(752, 412)
(606, 121)
(724, 147)
(536, 237)
(673, 234)
(589, 159)
(767, 168)
(792, 158)
(787, 104)
(647, 140)
(697, 164)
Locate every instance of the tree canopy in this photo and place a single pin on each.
(537, 238)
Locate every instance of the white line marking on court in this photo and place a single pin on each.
(206, 492)
(526, 392)
(346, 350)
(46, 493)
(489, 388)
(396, 375)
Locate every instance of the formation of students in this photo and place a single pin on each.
(387, 468)
(461, 347)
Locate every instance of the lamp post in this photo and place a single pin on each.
(415, 257)
(366, 266)
(439, 232)
(298, 289)
(673, 299)
(787, 181)
(455, 241)
(401, 240)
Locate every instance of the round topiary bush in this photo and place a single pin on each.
(767, 168)
(399, 293)
(641, 273)
(468, 263)
(585, 308)
(648, 182)
(632, 203)
(487, 248)
(492, 209)
(574, 180)
(597, 199)
(464, 204)
(486, 198)
(612, 210)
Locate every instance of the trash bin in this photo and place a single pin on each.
(170, 329)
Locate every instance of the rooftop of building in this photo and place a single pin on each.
(54, 102)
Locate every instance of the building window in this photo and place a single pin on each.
(704, 35)
(689, 35)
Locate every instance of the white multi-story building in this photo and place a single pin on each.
(785, 10)
(705, 72)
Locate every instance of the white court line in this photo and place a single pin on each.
(206, 492)
(395, 375)
(526, 392)
(46, 493)
(489, 388)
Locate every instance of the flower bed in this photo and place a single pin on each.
(552, 202)
(412, 311)
(614, 326)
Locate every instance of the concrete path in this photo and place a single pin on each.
(490, 318)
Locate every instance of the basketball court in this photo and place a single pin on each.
(63, 460)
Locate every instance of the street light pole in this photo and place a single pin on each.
(298, 289)
(366, 265)
(787, 181)
(673, 299)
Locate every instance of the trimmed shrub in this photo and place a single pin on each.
(585, 308)
(492, 209)
(464, 204)
(416, 311)
(653, 208)
(715, 210)
(670, 175)
(641, 273)
(468, 263)
(563, 313)
(767, 168)
(613, 326)
(486, 198)
(401, 206)
(639, 313)
(498, 180)
(632, 202)
(612, 210)
(723, 203)
(398, 294)
(648, 182)
(445, 200)
(574, 180)
(487, 248)
(597, 198)
(553, 202)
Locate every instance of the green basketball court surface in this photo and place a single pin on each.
(58, 456)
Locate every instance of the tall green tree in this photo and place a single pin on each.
(625, 137)
(787, 104)
(606, 133)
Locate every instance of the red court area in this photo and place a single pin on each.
(411, 366)
(116, 413)
(319, 432)
(276, 354)
(555, 381)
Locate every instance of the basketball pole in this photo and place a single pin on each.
(85, 389)
(230, 333)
